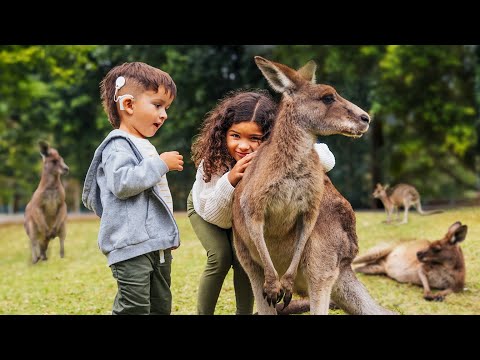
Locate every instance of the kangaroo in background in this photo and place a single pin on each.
(401, 195)
(287, 215)
(46, 213)
(439, 264)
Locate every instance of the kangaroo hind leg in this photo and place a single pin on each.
(406, 205)
(371, 269)
(321, 273)
(61, 235)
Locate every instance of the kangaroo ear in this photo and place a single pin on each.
(459, 232)
(386, 186)
(44, 146)
(307, 71)
(280, 77)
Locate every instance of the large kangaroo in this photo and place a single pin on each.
(46, 213)
(287, 215)
(402, 195)
(437, 264)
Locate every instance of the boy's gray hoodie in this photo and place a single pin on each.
(120, 188)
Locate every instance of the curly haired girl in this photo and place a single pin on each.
(228, 139)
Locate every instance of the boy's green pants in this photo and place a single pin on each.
(143, 285)
(220, 257)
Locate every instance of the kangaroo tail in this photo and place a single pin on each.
(351, 296)
(418, 205)
(374, 254)
(300, 306)
(348, 294)
(295, 307)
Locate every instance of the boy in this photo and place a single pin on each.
(126, 186)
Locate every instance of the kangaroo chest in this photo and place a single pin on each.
(439, 277)
(292, 196)
(288, 199)
(51, 201)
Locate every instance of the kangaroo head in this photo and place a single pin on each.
(447, 249)
(53, 163)
(379, 191)
(319, 108)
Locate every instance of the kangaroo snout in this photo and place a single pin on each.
(65, 169)
(365, 118)
(362, 123)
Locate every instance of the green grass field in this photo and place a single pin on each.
(82, 283)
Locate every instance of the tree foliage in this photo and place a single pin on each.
(423, 101)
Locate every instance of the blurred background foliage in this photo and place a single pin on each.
(424, 101)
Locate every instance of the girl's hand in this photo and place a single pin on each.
(236, 173)
(173, 159)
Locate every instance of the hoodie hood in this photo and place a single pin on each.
(91, 191)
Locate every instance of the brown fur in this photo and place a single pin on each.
(439, 264)
(287, 215)
(46, 213)
(402, 195)
(299, 306)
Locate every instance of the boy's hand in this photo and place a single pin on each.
(236, 173)
(173, 159)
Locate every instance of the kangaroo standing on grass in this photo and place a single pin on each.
(437, 264)
(46, 213)
(402, 195)
(287, 215)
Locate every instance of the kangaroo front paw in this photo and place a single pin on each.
(433, 297)
(287, 287)
(272, 292)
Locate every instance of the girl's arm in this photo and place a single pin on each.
(326, 156)
(213, 200)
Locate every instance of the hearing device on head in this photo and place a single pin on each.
(122, 98)
(119, 83)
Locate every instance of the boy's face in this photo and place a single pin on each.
(146, 113)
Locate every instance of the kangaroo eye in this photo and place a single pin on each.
(55, 162)
(328, 99)
(436, 250)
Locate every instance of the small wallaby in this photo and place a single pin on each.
(437, 264)
(46, 213)
(401, 195)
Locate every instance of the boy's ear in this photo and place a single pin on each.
(128, 105)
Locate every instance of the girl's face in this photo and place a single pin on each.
(243, 138)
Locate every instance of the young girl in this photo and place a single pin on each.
(228, 138)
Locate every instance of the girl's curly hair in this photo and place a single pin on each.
(210, 145)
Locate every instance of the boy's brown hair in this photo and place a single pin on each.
(139, 77)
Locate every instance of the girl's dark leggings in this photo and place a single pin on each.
(220, 257)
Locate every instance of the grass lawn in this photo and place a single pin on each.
(82, 283)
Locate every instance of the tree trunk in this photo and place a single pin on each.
(376, 159)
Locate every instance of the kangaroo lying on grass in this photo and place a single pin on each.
(46, 213)
(402, 195)
(438, 265)
(287, 215)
